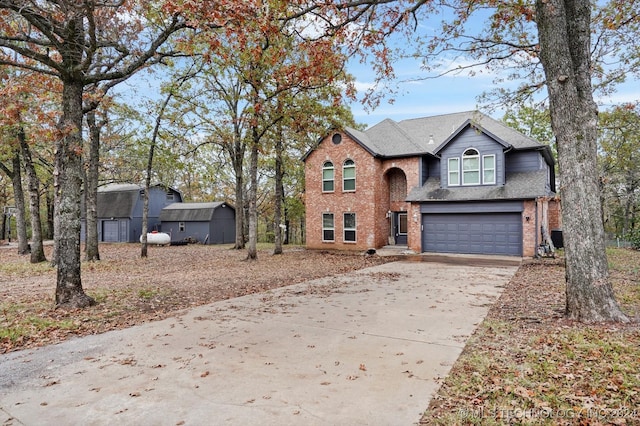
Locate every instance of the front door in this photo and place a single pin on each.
(400, 228)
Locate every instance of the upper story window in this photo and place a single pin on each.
(471, 167)
(349, 176)
(454, 171)
(488, 169)
(327, 176)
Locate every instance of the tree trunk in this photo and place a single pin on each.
(279, 196)
(37, 248)
(238, 161)
(91, 251)
(18, 196)
(252, 249)
(564, 36)
(67, 186)
(49, 204)
(147, 182)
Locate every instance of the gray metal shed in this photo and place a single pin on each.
(206, 223)
(120, 211)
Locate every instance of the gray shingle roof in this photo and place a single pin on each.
(429, 134)
(518, 186)
(190, 212)
(117, 202)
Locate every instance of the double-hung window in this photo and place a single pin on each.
(349, 176)
(454, 171)
(471, 167)
(328, 228)
(349, 227)
(327, 176)
(488, 169)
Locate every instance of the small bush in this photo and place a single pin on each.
(634, 237)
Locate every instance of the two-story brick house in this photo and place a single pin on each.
(455, 183)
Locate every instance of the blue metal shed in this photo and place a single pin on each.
(205, 223)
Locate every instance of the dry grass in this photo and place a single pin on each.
(131, 290)
(526, 364)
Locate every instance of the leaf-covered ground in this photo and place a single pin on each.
(131, 290)
(527, 364)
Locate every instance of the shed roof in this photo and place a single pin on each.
(191, 212)
(116, 203)
(119, 199)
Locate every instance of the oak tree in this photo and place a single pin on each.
(79, 44)
(549, 42)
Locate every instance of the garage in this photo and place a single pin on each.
(473, 233)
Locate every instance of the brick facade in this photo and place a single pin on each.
(543, 212)
(371, 201)
(381, 185)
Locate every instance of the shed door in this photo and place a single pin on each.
(110, 231)
(473, 233)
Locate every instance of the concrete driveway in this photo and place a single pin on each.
(369, 347)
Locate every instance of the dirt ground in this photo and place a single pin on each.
(130, 290)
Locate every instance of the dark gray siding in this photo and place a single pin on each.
(223, 226)
(210, 223)
(479, 141)
(524, 161)
(432, 168)
(195, 231)
(159, 198)
(473, 207)
(472, 233)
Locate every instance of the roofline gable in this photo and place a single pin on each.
(347, 131)
(469, 123)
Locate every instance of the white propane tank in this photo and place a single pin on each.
(157, 238)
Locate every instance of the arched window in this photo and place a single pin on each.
(327, 176)
(471, 167)
(349, 176)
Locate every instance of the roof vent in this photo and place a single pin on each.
(431, 140)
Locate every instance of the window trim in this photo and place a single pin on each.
(456, 171)
(332, 228)
(328, 166)
(345, 179)
(353, 229)
(484, 169)
(406, 223)
(478, 170)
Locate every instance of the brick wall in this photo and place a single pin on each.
(530, 229)
(555, 217)
(338, 202)
(370, 201)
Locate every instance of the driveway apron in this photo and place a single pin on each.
(368, 347)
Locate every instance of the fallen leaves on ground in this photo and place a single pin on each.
(131, 290)
(528, 364)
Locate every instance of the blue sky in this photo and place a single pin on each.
(419, 98)
(448, 94)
